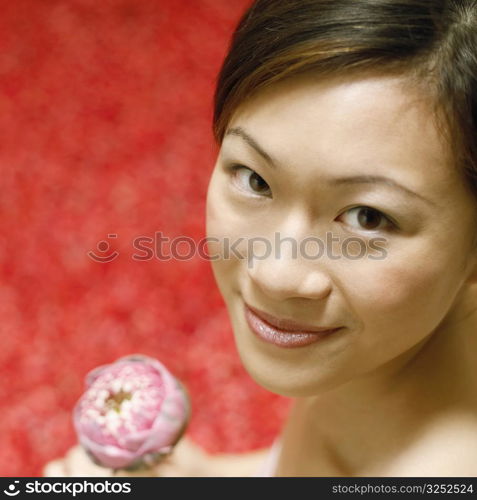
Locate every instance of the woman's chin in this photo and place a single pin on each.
(286, 381)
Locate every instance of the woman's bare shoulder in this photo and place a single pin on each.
(445, 451)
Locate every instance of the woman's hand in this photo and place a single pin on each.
(186, 460)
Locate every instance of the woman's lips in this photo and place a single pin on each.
(283, 337)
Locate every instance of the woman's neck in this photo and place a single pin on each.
(364, 426)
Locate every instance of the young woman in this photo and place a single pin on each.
(346, 178)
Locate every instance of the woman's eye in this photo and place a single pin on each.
(368, 218)
(362, 217)
(248, 180)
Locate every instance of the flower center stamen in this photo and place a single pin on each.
(115, 400)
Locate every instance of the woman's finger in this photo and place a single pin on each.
(79, 464)
(55, 468)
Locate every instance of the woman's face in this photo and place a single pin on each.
(359, 165)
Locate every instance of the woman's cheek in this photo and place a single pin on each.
(400, 302)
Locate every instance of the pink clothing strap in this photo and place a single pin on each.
(269, 465)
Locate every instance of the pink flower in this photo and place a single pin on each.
(132, 413)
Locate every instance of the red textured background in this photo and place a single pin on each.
(105, 124)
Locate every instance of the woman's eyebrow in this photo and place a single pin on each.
(334, 181)
(377, 179)
(240, 132)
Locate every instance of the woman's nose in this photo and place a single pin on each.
(287, 274)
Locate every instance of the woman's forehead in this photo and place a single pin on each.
(341, 105)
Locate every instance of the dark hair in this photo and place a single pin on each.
(432, 41)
